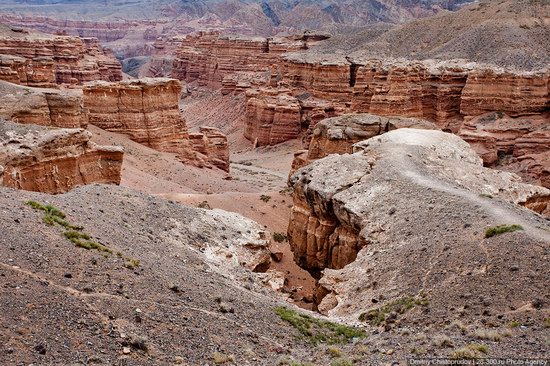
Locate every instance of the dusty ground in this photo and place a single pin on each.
(255, 174)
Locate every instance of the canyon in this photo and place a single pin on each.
(288, 94)
(278, 182)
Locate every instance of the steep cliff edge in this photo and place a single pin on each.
(45, 107)
(54, 161)
(406, 215)
(38, 59)
(147, 110)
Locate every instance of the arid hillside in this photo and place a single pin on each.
(510, 33)
(130, 28)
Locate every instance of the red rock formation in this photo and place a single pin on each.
(447, 93)
(38, 72)
(72, 59)
(212, 144)
(54, 160)
(521, 143)
(147, 110)
(516, 94)
(45, 107)
(209, 57)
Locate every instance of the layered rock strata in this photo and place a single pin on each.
(453, 95)
(45, 107)
(211, 143)
(209, 57)
(399, 193)
(147, 110)
(46, 60)
(54, 161)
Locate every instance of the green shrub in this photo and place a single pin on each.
(279, 237)
(501, 229)
(377, 316)
(315, 331)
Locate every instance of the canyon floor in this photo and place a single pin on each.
(255, 188)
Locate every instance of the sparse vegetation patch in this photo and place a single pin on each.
(315, 331)
(279, 237)
(75, 233)
(470, 352)
(501, 229)
(400, 306)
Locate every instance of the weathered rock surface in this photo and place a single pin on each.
(520, 144)
(406, 214)
(213, 59)
(212, 144)
(45, 60)
(182, 252)
(54, 160)
(450, 94)
(337, 135)
(45, 107)
(147, 110)
(36, 72)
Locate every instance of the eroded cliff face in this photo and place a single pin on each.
(45, 107)
(45, 60)
(147, 110)
(234, 62)
(404, 194)
(211, 143)
(453, 95)
(54, 161)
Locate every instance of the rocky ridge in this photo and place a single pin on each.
(38, 59)
(54, 161)
(396, 195)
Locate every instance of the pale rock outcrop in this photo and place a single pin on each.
(403, 216)
(41, 159)
(337, 135)
(45, 107)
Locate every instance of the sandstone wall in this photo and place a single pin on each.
(147, 110)
(209, 57)
(212, 144)
(45, 107)
(70, 59)
(54, 160)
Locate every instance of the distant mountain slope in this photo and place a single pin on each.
(511, 33)
(258, 16)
